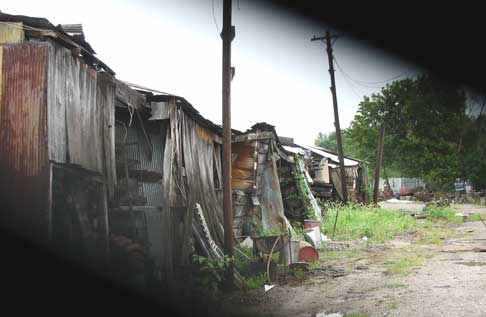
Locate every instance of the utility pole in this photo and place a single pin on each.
(379, 159)
(328, 38)
(227, 35)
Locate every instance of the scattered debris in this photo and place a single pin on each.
(394, 200)
(268, 287)
(324, 314)
(472, 263)
(247, 243)
(328, 271)
(465, 250)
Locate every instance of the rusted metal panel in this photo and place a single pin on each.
(11, 32)
(24, 165)
(243, 167)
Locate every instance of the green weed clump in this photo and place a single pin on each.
(441, 214)
(257, 281)
(403, 265)
(356, 221)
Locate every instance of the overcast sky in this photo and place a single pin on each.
(281, 76)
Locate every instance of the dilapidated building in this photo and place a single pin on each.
(269, 184)
(323, 167)
(56, 137)
(106, 171)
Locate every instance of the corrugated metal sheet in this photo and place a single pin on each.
(105, 95)
(11, 32)
(140, 160)
(24, 165)
(75, 116)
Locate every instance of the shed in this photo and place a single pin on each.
(56, 137)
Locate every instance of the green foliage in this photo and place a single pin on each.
(445, 214)
(356, 221)
(257, 281)
(211, 271)
(424, 121)
(242, 262)
(303, 188)
(262, 232)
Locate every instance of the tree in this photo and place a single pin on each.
(423, 119)
(328, 141)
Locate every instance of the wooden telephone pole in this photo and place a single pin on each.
(328, 38)
(227, 35)
(379, 159)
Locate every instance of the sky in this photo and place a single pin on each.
(281, 76)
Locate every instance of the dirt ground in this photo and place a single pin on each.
(450, 280)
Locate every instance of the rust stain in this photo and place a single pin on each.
(242, 171)
(205, 134)
(24, 164)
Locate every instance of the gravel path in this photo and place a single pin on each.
(451, 282)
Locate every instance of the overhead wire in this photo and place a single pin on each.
(351, 85)
(369, 84)
(214, 16)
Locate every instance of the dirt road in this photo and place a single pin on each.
(438, 275)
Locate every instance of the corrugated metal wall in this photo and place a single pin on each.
(136, 147)
(24, 165)
(75, 116)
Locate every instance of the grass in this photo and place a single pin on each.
(356, 221)
(441, 214)
(476, 217)
(403, 262)
(393, 304)
(341, 255)
(433, 234)
(403, 265)
(394, 285)
(357, 314)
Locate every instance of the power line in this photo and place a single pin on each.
(214, 16)
(351, 84)
(369, 84)
(351, 79)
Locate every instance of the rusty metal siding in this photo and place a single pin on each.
(243, 165)
(24, 165)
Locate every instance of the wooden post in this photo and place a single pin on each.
(379, 158)
(336, 113)
(227, 36)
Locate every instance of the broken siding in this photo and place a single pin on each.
(243, 165)
(75, 113)
(24, 164)
(105, 95)
(188, 179)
